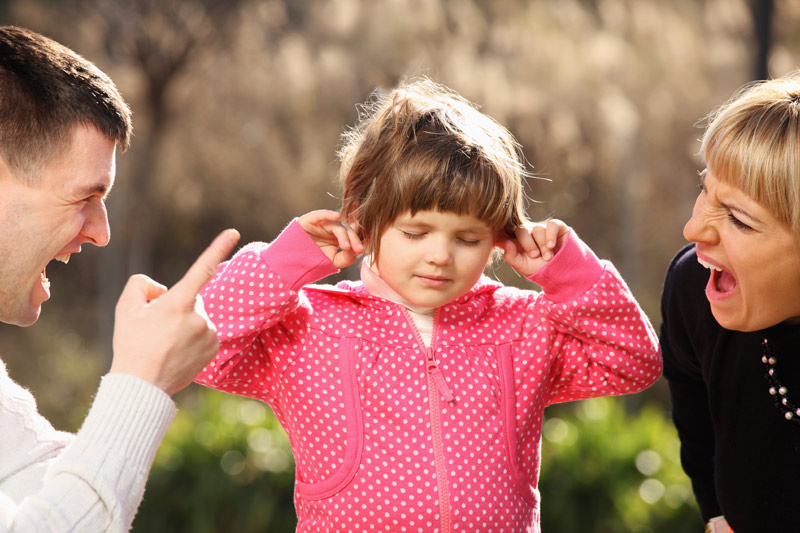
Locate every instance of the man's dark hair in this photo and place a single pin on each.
(46, 90)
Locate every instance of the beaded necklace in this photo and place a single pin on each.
(778, 391)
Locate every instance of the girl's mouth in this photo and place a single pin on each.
(433, 281)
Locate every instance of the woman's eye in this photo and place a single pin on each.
(738, 223)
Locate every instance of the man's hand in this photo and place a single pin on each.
(164, 336)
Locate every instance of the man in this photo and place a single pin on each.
(61, 119)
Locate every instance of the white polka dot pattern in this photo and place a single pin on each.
(376, 445)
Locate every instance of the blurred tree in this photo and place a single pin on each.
(159, 39)
(762, 31)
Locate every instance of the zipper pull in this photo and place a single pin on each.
(438, 378)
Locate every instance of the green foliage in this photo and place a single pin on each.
(605, 470)
(225, 465)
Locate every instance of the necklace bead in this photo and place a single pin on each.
(778, 391)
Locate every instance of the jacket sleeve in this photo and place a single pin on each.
(257, 305)
(598, 339)
(683, 372)
(94, 482)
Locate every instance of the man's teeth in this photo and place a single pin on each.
(63, 258)
(709, 265)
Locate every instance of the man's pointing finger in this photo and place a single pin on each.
(206, 264)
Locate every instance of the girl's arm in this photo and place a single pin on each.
(598, 339)
(255, 302)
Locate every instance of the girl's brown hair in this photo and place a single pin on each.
(424, 147)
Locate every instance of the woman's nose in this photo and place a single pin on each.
(697, 228)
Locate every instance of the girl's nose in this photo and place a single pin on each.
(440, 252)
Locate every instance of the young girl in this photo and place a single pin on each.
(413, 399)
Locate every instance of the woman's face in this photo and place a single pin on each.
(754, 279)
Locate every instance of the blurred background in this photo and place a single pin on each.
(238, 107)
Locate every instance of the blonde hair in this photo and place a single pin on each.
(753, 143)
(424, 147)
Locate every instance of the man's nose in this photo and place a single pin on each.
(96, 228)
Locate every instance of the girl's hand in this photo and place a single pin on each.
(533, 246)
(337, 240)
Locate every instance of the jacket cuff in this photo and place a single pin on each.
(571, 272)
(296, 258)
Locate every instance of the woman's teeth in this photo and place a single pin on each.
(709, 265)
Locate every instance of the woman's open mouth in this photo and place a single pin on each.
(721, 283)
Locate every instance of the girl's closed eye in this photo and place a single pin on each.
(412, 236)
(470, 242)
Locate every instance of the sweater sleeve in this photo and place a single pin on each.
(96, 482)
(598, 339)
(683, 372)
(256, 303)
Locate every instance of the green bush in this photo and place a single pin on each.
(605, 470)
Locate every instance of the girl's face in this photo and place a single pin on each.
(433, 257)
(754, 279)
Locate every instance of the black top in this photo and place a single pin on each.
(741, 453)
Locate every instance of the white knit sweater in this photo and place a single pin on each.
(93, 481)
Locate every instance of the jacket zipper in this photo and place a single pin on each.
(436, 375)
(437, 385)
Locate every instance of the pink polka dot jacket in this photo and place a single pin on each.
(389, 435)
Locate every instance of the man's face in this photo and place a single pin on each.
(51, 219)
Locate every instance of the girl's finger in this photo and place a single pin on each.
(539, 232)
(553, 231)
(355, 242)
(525, 241)
(317, 218)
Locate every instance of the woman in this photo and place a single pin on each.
(731, 315)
